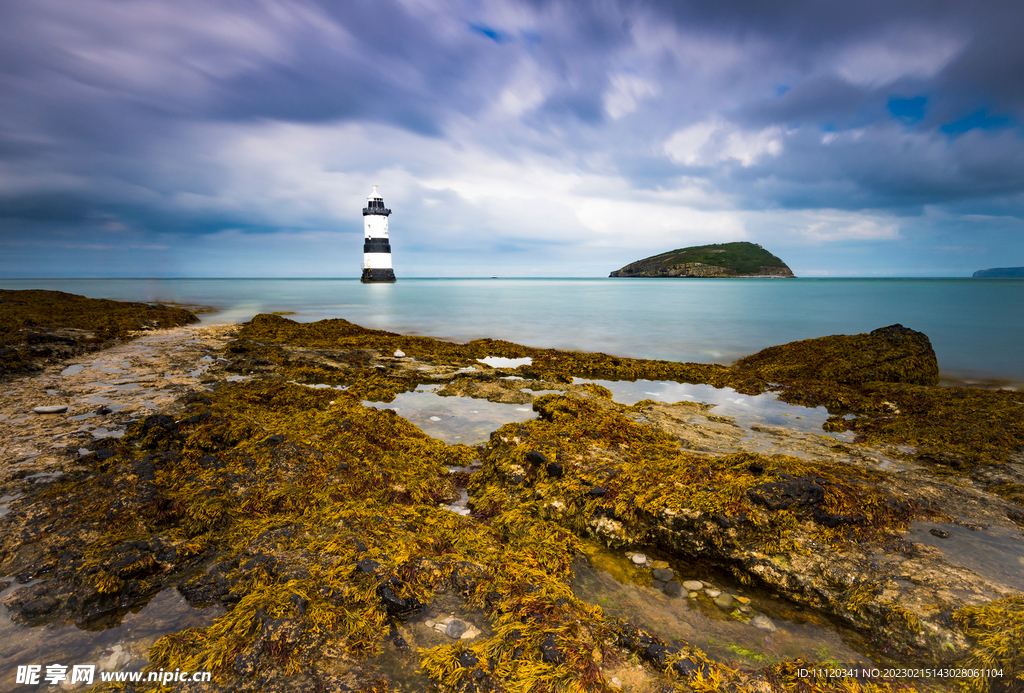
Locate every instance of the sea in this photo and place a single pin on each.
(975, 325)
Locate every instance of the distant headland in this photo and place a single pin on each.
(1001, 273)
(740, 259)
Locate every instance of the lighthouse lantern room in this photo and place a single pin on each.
(376, 246)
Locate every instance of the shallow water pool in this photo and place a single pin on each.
(454, 419)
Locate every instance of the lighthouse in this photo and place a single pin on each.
(376, 246)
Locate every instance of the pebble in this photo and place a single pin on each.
(435, 418)
(713, 593)
(54, 409)
(639, 558)
(762, 622)
(657, 565)
(455, 629)
(724, 601)
(692, 595)
(657, 584)
(399, 354)
(663, 574)
(672, 588)
(693, 585)
(743, 600)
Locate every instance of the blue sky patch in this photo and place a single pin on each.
(979, 120)
(908, 110)
(490, 33)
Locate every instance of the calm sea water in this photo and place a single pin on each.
(976, 325)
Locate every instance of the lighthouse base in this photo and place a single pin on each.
(373, 276)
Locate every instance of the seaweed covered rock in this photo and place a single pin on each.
(893, 354)
(37, 325)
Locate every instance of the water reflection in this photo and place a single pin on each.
(748, 410)
(454, 419)
(121, 648)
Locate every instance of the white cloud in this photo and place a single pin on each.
(625, 92)
(840, 226)
(714, 141)
(906, 53)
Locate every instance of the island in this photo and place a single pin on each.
(1000, 273)
(742, 259)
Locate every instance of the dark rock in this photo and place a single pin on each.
(940, 533)
(549, 650)
(275, 439)
(672, 588)
(535, 457)
(685, 667)
(659, 654)
(555, 470)
(830, 520)
(368, 566)
(756, 469)
(300, 602)
(779, 495)
(942, 459)
(39, 607)
(596, 491)
(456, 628)
(468, 659)
(663, 574)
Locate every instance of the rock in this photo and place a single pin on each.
(779, 495)
(549, 650)
(893, 354)
(39, 607)
(724, 601)
(555, 470)
(762, 622)
(657, 584)
(659, 565)
(743, 600)
(639, 558)
(468, 659)
(456, 628)
(54, 409)
(672, 588)
(399, 354)
(596, 491)
(536, 457)
(940, 533)
(692, 595)
(693, 585)
(663, 574)
(712, 593)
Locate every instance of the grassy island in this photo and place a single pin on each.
(740, 259)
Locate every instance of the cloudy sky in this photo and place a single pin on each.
(153, 138)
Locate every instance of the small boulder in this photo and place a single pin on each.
(693, 585)
(663, 574)
(724, 601)
(54, 409)
(456, 628)
(672, 588)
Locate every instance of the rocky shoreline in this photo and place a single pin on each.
(252, 480)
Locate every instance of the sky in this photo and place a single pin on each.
(222, 138)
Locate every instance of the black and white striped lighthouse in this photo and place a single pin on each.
(376, 246)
